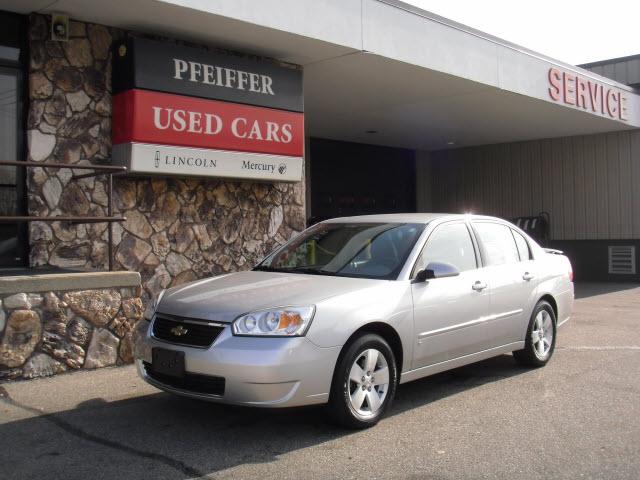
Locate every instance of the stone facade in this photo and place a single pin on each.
(43, 334)
(177, 230)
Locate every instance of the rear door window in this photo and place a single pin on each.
(498, 244)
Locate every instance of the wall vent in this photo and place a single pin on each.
(622, 259)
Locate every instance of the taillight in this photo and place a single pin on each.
(570, 274)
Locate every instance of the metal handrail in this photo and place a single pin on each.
(60, 218)
(109, 170)
(79, 166)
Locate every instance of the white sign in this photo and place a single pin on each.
(183, 161)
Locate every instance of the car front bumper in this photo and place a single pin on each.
(257, 371)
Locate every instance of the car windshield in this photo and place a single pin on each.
(367, 250)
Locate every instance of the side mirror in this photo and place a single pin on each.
(441, 270)
(436, 270)
(420, 277)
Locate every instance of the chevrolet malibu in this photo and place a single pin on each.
(352, 307)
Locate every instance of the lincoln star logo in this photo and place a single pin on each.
(282, 168)
(179, 331)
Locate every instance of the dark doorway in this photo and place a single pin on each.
(13, 236)
(360, 179)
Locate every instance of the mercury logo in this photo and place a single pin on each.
(282, 168)
(157, 160)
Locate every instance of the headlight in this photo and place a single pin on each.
(275, 322)
(152, 306)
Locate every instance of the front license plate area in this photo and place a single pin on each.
(167, 362)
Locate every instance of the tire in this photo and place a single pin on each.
(539, 344)
(373, 389)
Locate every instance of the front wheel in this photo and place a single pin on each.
(364, 382)
(541, 337)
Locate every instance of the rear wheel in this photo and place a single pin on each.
(540, 341)
(364, 382)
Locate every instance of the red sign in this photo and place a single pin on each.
(587, 94)
(151, 117)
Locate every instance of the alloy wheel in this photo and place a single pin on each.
(542, 334)
(368, 382)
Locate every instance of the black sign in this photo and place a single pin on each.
(166, 67)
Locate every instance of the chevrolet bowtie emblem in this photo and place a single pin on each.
(179, 331)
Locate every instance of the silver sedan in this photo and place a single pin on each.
(351, 307)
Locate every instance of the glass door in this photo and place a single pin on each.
(13, 236)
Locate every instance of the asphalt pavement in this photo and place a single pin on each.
(579, 417)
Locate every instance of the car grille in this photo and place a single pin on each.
(188, 332)
(191, 382)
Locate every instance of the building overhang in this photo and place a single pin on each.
(416, 79)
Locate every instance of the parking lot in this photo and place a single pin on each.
(577, 418)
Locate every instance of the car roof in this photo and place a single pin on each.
(407, 218)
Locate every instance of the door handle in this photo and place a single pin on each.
(479, 286)
(527, 276)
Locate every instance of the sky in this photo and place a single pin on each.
(575, 32)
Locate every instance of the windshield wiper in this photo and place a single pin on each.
(265, 268)
(312, 271)
(300, 269)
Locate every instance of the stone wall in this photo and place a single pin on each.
(47, 333)
(177, 229)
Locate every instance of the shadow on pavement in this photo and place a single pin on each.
(174, 437)
(592, 289)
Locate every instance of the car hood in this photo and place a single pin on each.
(226, 297)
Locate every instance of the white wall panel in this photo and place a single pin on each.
(633, 70)
(624, 70)
(590, 185)
(635, 181)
